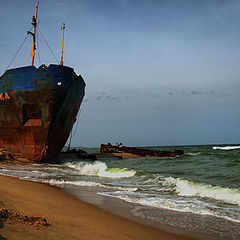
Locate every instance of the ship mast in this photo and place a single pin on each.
(34, 23)
(62, 28)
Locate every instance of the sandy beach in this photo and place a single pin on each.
(68, 218)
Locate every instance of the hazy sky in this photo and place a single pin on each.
(157, 72)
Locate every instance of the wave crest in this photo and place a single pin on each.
(226, 147)
(190, 188)
(100, 169)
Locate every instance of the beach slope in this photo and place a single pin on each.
(68, 218)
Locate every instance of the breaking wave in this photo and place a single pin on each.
(100, 169)
(196, 207)
(190, 188)
(227, 148)
(193, 197)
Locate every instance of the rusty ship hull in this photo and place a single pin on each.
(38, 107)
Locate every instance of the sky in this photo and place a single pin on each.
(158, 72)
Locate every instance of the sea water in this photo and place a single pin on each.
(197, 192)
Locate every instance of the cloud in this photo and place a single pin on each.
(107, 97)
(99, 98)
(196, 93)
(191, 93)
(137, 95)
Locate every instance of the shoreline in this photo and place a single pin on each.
(68, 216)
(123, 209)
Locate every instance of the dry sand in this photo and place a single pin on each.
(69, 218)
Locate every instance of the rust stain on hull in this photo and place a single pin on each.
(39, 115)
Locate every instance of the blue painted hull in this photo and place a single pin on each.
(38, 108)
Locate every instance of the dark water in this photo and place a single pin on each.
(201, 188)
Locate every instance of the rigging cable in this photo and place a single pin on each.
(18, 50)
(76, 127)
(48, 45)
(77, 122)
(69, 144)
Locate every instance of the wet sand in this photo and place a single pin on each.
(68, 217)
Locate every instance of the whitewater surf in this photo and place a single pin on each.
(198, 191)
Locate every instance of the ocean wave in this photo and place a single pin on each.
(195, 207)
(190, 188)
(226, 147)
(100, 169)
(167, 202)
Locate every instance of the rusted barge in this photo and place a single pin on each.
(137, 152)
(38, 106)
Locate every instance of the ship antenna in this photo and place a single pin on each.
(34, 23)
(62, 28)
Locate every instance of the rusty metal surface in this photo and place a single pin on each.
(38, 108)
(33, 123)
(138, 152)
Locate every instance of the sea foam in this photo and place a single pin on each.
(61, 183)
(196, 207)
